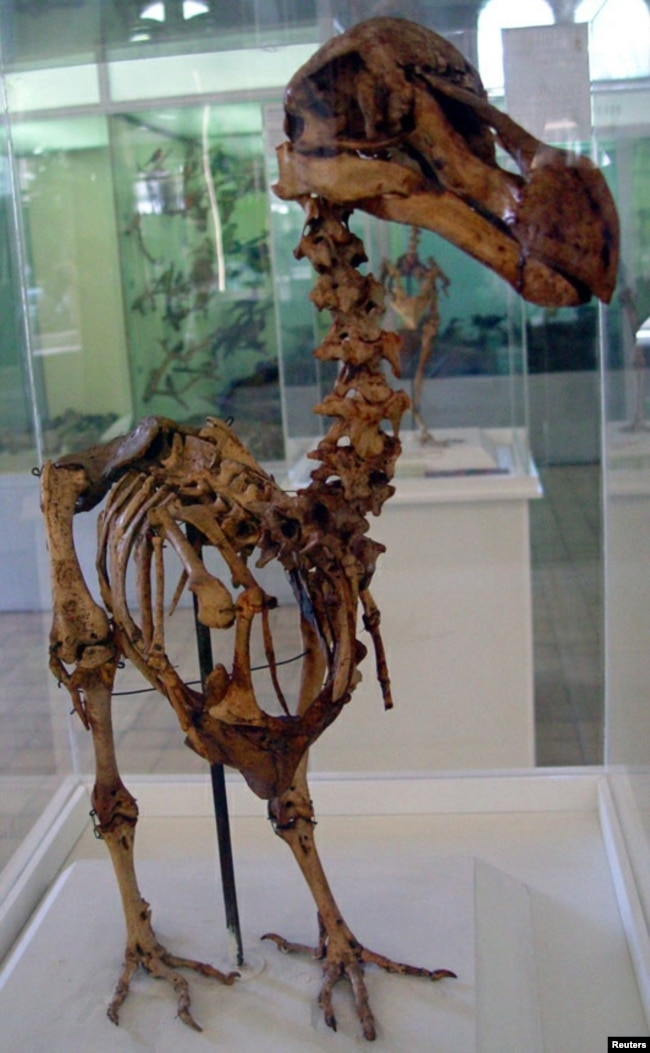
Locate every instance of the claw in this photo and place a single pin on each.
(122, 988)
(188, 1019)
(354, 974)
(442, 974)
(390, 966)
(349, 964)
(227, 979)
(286, 947)
(325, 996)
(163, 966)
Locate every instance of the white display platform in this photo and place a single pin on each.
(455, 595)
(72, 957)
(458, 464)
(512, 883)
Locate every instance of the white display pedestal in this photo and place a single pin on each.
(514, 882)
(454, 591)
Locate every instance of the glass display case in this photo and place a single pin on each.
(623, 131)
(180, 296)
(148, 268)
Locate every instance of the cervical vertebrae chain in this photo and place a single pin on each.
(356, 450)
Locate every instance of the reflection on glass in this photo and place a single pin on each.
(619, 33)
(75, 310)
(619, 38)
(496, 15)
(73, 30)
(17, 444)
(194, 242)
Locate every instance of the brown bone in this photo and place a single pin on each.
(390, 117)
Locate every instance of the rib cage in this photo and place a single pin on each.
(186, 488)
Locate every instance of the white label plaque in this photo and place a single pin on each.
(546, 71)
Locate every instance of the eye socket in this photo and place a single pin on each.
(294, 126)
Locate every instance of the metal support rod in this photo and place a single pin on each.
(204, 647)
(226, 859)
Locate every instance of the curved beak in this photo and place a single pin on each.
(551, 232)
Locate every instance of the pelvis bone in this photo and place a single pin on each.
(389, 117)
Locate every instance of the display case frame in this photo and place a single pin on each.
(601, 391)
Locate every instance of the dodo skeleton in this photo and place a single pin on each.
(391, 119)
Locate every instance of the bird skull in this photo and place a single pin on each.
(389, 117)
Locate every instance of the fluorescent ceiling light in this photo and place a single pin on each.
(155, 12)
(192, 8)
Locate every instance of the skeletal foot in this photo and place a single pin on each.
(346, 958)
(159, 963)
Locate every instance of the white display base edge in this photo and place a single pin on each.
(633, 918)
(385, 793)
(33, 869)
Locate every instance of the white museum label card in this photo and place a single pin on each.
(546, 71)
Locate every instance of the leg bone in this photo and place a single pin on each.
(339, 950)
(117, 814)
